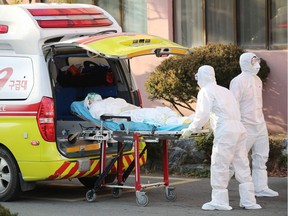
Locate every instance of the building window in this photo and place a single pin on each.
(251, 24)
(135, 16)
(278, 24)
(219, 21)
(188, 13)
(256, 24)
(131, 15)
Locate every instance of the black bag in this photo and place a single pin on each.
(92, 67)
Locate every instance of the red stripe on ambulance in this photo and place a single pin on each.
(65, 166)
(59, 171)
(128, 158)
(96, 169)
(143, 159)
(19, 110)
(72, 171)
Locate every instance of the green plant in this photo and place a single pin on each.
(204, 173)
(6, 212)
(277, 163)
(204, 143)
(173, 80)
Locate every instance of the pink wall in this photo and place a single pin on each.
(159, 15)
(275, 90)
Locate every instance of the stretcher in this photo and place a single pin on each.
(123, 130)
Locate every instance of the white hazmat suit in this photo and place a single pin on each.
(219, 105)
(247, 89)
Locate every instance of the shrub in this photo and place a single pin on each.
(173, 80)
(204, 143)
(277, 161)
(6, 212)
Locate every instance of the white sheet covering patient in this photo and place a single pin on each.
(158, 116)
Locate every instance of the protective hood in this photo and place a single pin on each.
(205, 75)
(245, 62)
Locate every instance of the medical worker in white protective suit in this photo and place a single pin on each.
(247, 89)
(219, 105)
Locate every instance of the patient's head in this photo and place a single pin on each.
(91, 98)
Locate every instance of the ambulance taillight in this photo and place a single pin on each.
(45, 119)
(70, 17)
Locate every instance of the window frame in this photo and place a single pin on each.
(267, 42)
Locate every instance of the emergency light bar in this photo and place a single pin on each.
(3, 29)
(64, 11)
(70, 17)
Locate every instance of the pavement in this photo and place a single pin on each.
(67, 198)
(201, 192)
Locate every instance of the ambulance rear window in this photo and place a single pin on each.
(70, 17)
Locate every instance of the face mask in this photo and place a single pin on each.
(255, 62)
(256, 68)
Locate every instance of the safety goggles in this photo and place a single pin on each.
(254, 60)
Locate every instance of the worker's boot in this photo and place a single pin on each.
(260, 180)
(220, 201)
(247, 196)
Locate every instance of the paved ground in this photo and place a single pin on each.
(67, 198)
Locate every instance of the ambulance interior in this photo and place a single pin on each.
(75, 73)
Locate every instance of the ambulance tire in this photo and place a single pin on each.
(89, 182)
(9, 178)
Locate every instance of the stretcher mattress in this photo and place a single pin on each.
(77, 107)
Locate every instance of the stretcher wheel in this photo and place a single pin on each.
(117, 192)
(142, 199)
(90, 196)
(170, 193)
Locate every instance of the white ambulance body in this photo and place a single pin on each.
(40, 46)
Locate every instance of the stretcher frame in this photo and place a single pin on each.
(102, 134)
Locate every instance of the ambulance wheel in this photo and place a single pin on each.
(9, 177)
(90, 196)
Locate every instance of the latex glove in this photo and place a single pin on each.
(186, 133)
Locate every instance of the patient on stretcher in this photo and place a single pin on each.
(158, 116)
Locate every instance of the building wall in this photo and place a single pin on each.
(275, 90)
(159, 15)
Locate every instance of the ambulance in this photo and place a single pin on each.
(50, 56)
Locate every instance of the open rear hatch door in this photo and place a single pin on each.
(124, 45)
(113, 46)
